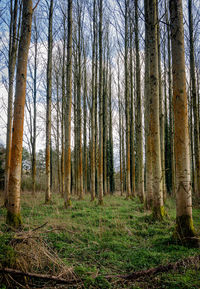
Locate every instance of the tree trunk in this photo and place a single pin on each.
(184, 222)
(100, 106)
(127, 101)
(120, 131)
(111, 157)
(85, 125)
(132, 149)
(194, 98)
(13, 208)
(34, 109)
(58, 132)
(161, 114)
(139, 139)
(67, 195)
(11, 72)
(158, 208)
(172, 177)
(63, 112)
(148, 153)
(93, 168)
(105, 120)
(79, 112)
(48, 115)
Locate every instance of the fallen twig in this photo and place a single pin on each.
(38, 276)
(35, 229)
(156, 270)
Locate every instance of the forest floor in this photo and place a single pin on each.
(94, 242)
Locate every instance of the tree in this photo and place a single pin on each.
(127, 101)
(100, 106)
(49, 100)
(184, 221)
(93, 130)
(139, 136)
(33, 138)
(11, 73)
(67, 194)
(13, 208)
(79, 106)
(148, 153)
(194, 98)
(158, 208)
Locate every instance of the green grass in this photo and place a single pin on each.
(117, 238)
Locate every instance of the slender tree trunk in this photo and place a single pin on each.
(171, 117)
(149, 177)
(75, 124)
(93, 131)
(96, 112)
(120, 131)
(79, 111)
(100, 106)
(139, 134)
(11, 72)
(158, 208)
(127, 101)
(161, 114)
(67, 195)
(13, 208)
(48, 115)
(111, 165)
(58, 133)
(132, 149)
(184, 222)
(194, 98)
(105, 119)
(85, 126)
(63, 112)
(123, 156)
(34, 109)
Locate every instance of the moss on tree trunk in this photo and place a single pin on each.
(185, 232)
(13, 219)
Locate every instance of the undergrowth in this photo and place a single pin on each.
(116, 238)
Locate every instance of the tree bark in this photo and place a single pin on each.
(184, 222)
(93, 131)
(148, 150)
(120, 130)
(34, 108)
(79, 111)
(139, 134)
(100, 106)
(49, 100)
(127, 102)
(158, 208)
(13, 208)
(67, 195)
(63, 110)
(194, 98)
(11, 72)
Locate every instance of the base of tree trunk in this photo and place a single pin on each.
(68, 204)
(100, 202)
(92, 198)
(13, 220)
(141, 198)
(148, 204)
(47, 200)
(159, 213)
(185, 232)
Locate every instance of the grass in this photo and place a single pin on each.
(117, 238)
